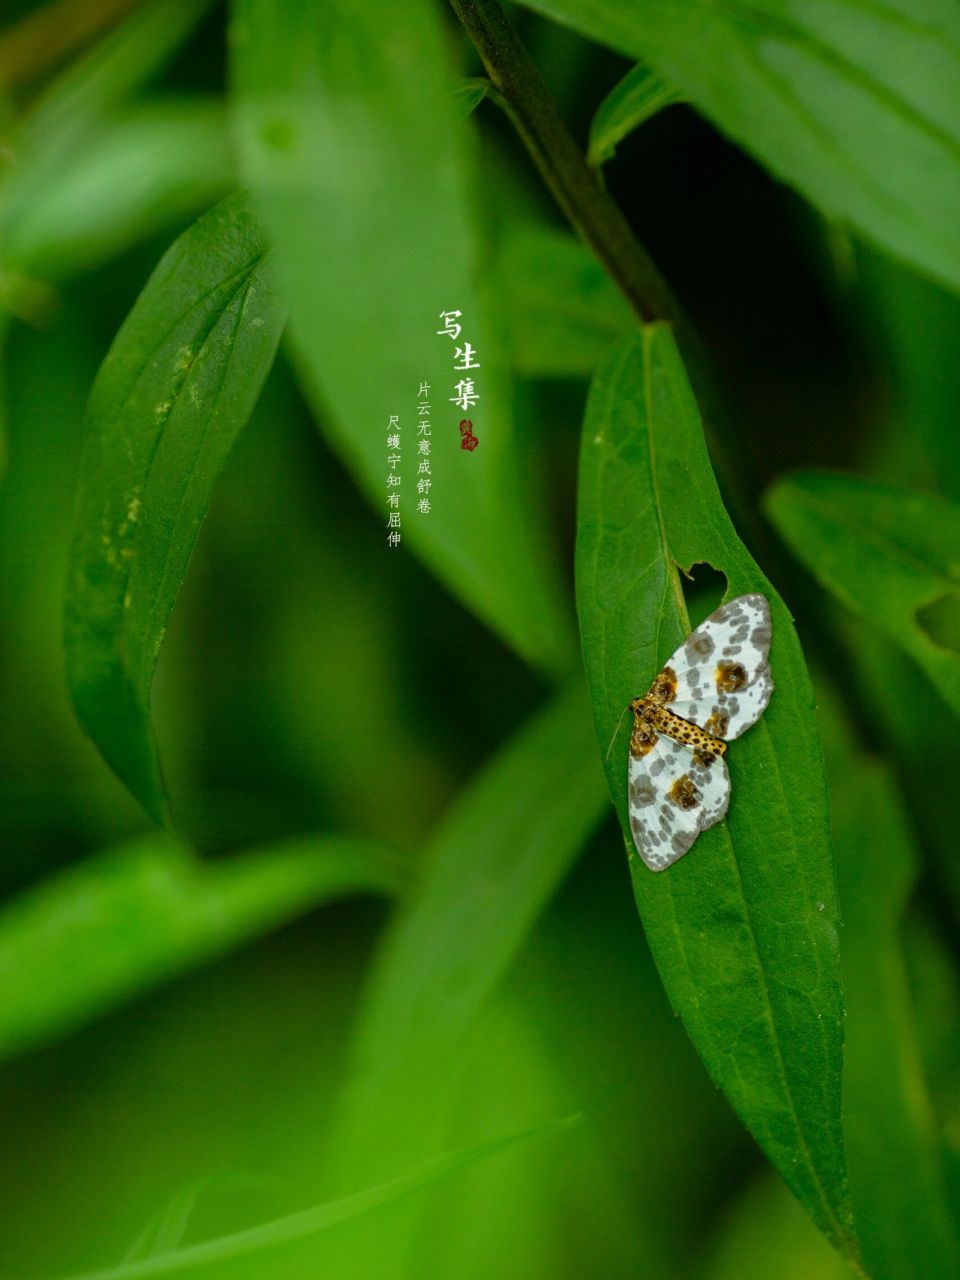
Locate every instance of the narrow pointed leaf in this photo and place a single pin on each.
(744, 927)
(492, 865)
(166, 1229)
(353, 148)
(888, 554)
(309, 1222)
(856, 105)
(135, 915)
(639, 95)
(172, 395)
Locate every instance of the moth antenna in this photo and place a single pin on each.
(616, 731)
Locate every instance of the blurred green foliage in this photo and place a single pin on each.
(341, 1021)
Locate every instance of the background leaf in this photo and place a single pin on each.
(890, 555)
(900, 1199)
(358, 170)
(918, 326)
(102, 77)
(163, 161)
(744, 928)
(131, 917)
(857, 106)
(54, 136)
(489, 870)
(309, 1222)
(176, 388)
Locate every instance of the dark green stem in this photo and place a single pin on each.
(561, 162)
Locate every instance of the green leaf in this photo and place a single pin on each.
(309, 1222)
(171, 397)
(637, 97)
(104, 76)
(897, 1186)
(488, 872)
(54, 221)
(557, 309)
(744, 928)
(888, 554)
(352, 148)
(133, 916)
(493, 864)
(856, 105)
(54, 136)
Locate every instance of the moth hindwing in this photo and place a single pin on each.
(712, 688)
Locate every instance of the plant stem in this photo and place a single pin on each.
(575, 186)
(561, 162)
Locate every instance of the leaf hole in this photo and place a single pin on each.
(940, 621)
(703, 589)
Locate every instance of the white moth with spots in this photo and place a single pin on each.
(715, 686)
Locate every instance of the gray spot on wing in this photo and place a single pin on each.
(642, 794)
(698, 646)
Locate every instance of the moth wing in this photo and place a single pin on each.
(672, 796)
(722, 670)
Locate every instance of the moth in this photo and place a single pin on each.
(715, 686)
